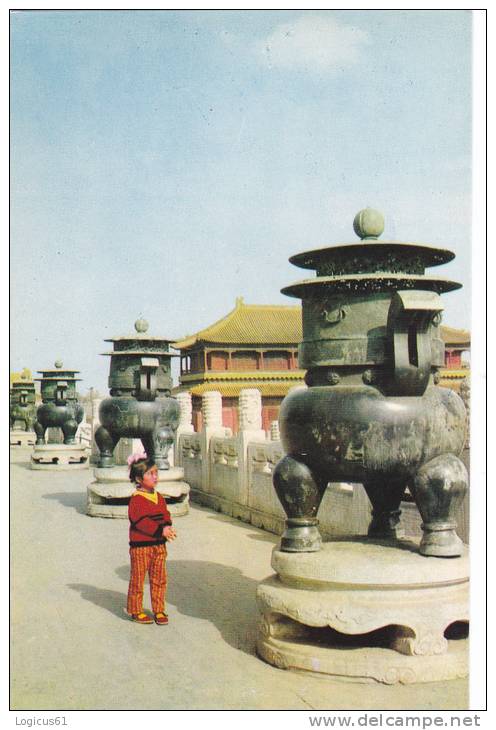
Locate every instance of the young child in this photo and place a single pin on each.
(150, 527)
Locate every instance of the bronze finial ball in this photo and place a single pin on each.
(141, 325)
(58, 363)
(368, 223)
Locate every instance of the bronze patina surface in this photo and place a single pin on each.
(22, 408)
(372, 412)
(140, 403)
(60, 406)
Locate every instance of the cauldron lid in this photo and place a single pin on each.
(429, 255)
(370, 284)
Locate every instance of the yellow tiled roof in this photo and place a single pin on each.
(233, 388)
(252, 324)
(259, 324)
(259, 376)
(449, 373)
(452, 336)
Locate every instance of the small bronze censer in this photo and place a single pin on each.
(372, 412)
(22, 404)
(140, 405)
(60, 407)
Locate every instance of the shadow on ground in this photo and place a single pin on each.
(76, 500)
(213, 592)
(264, 537)
(23, 464)
(113, 601)
(259, 535)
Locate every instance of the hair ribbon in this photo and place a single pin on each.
(136, 457)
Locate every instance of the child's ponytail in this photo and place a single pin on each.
(139, 464)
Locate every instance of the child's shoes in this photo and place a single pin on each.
(141, 618)
(161, 618)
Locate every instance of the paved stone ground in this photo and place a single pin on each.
(73, 648)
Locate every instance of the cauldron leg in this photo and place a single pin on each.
(300, 492)
(147, 443)
(438, 489)
(69, 429)
(40, 433)
(106, 443)
(158, 444)
(385, 495)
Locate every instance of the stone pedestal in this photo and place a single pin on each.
(59, 457)
(367, 611)
(108, 495)
(22, 438)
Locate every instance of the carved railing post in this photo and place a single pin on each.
(465, 396)
(250, 410)
(250, 430)
(186, 412)
(94, 422)
(185, 423)
(275, 434)
(212, 410)
(212, 426)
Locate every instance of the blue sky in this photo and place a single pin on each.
(164, 163)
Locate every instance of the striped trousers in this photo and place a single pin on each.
(147, 559)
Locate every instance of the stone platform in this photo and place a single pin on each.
(108, 495)
(59, 457)
(73, 578)
(22, 438)
(366, 610)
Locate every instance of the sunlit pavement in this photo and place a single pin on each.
(73, 646)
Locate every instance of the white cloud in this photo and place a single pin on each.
(313, 43)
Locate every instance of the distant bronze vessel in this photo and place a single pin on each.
(140, 405)
(60, 407)
(22, 408)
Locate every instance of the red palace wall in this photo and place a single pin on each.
(453, 359)
(230, 416)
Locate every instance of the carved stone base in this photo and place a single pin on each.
(22, 438)
(366, 610)
(367, 665)
(108, 495)
(59, 457)
(245, 513)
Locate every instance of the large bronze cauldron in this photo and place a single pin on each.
(60, 407)
(22, 406)
(372, 412)
(140, 405)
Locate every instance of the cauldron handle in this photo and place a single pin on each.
(410, 317)
(61, 393)
(147, 383)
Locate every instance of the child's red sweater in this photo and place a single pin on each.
(147, 519)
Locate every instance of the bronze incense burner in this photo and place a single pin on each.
(372, 412)
(60, 407)
(140, 405)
